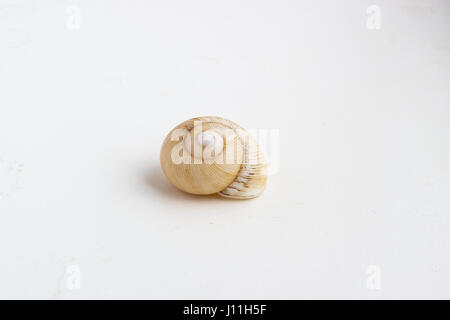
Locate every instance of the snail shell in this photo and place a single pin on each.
(208, 155)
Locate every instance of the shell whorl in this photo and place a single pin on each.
(252, 176)
(244, 178)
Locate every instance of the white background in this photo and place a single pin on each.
(364, 153)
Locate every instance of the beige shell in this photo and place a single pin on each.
(208, 155)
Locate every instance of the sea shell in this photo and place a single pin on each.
(208, 155)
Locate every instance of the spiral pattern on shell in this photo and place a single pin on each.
(207, 155)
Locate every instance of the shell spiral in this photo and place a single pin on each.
(208, 155)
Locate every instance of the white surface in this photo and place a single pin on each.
(364, 174)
